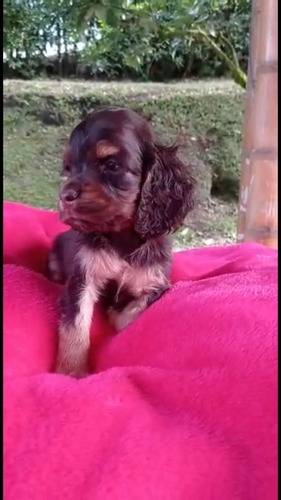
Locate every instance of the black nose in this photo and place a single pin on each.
(69, 194)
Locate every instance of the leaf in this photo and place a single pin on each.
(90, 13)
(101, 12)
(111, 17)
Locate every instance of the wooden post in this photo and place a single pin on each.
(258, 199)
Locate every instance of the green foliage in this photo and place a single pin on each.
(30, 26)
(145, 40)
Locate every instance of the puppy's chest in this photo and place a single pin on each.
(102, 269)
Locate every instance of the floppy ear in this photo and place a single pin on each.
(167, 193)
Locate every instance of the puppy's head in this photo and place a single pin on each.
(118, 178)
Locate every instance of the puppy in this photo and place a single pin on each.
(123, 195)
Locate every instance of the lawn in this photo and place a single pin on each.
(205, 116)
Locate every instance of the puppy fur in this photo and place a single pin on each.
(124, 194)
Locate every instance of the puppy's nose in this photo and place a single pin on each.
(68, 195)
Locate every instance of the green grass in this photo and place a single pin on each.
(31, 155)
(206, 117)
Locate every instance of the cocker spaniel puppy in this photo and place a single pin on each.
(124, 194)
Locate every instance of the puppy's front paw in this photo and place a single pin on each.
(120, 320)
(76, 370)
(116, 320)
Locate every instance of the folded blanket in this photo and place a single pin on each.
(181, 405)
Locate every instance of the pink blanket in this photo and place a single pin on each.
(182, 405)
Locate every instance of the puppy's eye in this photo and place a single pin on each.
(111, 165)
(66, 169)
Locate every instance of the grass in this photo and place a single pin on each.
(206, 117)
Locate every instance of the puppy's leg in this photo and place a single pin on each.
(60, 262)
(77, 305)
(54, 268)
(121, 319)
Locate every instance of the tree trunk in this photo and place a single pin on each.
(258, 200)
(58, 29)
(65, 56)
(26, 51)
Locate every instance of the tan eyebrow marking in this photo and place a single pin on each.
(105, 148)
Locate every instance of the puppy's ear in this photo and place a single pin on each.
(167, 193)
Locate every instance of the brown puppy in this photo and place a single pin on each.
(123, 195)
